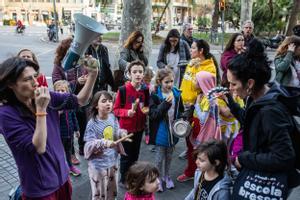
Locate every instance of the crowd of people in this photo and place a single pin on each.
(241, 141)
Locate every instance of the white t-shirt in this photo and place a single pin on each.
(173, 60)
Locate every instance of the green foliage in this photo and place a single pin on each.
(203, 22)
(207, 38)
(268, 18)
(232, 12)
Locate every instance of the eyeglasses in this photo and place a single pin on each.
(240, 40)
(139, 42)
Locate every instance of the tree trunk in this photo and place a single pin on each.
(137, 16)
(161, 16)
(293, 17)
(216, 15)
(246, 11)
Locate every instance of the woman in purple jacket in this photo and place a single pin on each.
(234, 47)
(30, 125)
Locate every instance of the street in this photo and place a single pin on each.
(35, 40)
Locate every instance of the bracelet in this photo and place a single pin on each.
(41, 114)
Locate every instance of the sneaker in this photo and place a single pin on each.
(74, 160)
(183, 155)
(153, 149)
(160, 186)
(147, 139)
(169, 183)
(74, 171)
(183, 178)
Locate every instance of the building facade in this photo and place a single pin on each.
(41, 11)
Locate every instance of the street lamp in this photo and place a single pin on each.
(55, 19)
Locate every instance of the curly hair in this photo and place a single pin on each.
(132, 38)
(61, 50)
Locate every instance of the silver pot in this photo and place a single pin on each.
(181, 128)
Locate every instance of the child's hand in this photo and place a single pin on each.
(110, 144)
(170, 98)
(237, 163)
(291, 47)
(145, 110)
(77, 134)
(131, 112)
(122, 133)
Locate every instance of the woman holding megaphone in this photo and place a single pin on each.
(29, 124)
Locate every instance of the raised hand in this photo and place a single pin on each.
(42, 98)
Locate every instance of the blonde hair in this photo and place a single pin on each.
(282, 49)
(61, 83)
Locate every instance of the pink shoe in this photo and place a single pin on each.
(147, 138)
(75, 171)
(184, 178)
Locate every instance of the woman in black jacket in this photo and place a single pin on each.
(266, 122)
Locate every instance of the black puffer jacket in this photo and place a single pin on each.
(266, 127)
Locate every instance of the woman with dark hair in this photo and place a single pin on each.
(174, 53)
(202, 60)
(132, 50)
(30, 126)
(234, 47)
(287, 62)
(267, 126)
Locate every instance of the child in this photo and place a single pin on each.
(211, 182)
(68, 125)
(149, 74)
(141, 181)
(100, 149)
(131, 107)
(165, 107)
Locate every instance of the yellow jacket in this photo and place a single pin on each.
(189, 91)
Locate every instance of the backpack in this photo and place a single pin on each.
(122, 91)
(292, 103)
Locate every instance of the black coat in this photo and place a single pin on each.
(159, 111)
(105, 76)
(267, 125)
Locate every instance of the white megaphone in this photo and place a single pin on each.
(86, 30)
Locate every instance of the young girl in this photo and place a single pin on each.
(131, 107)
(100, 149)
(141, 181)
(165, 107)
(211, 182)
(68, 126)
